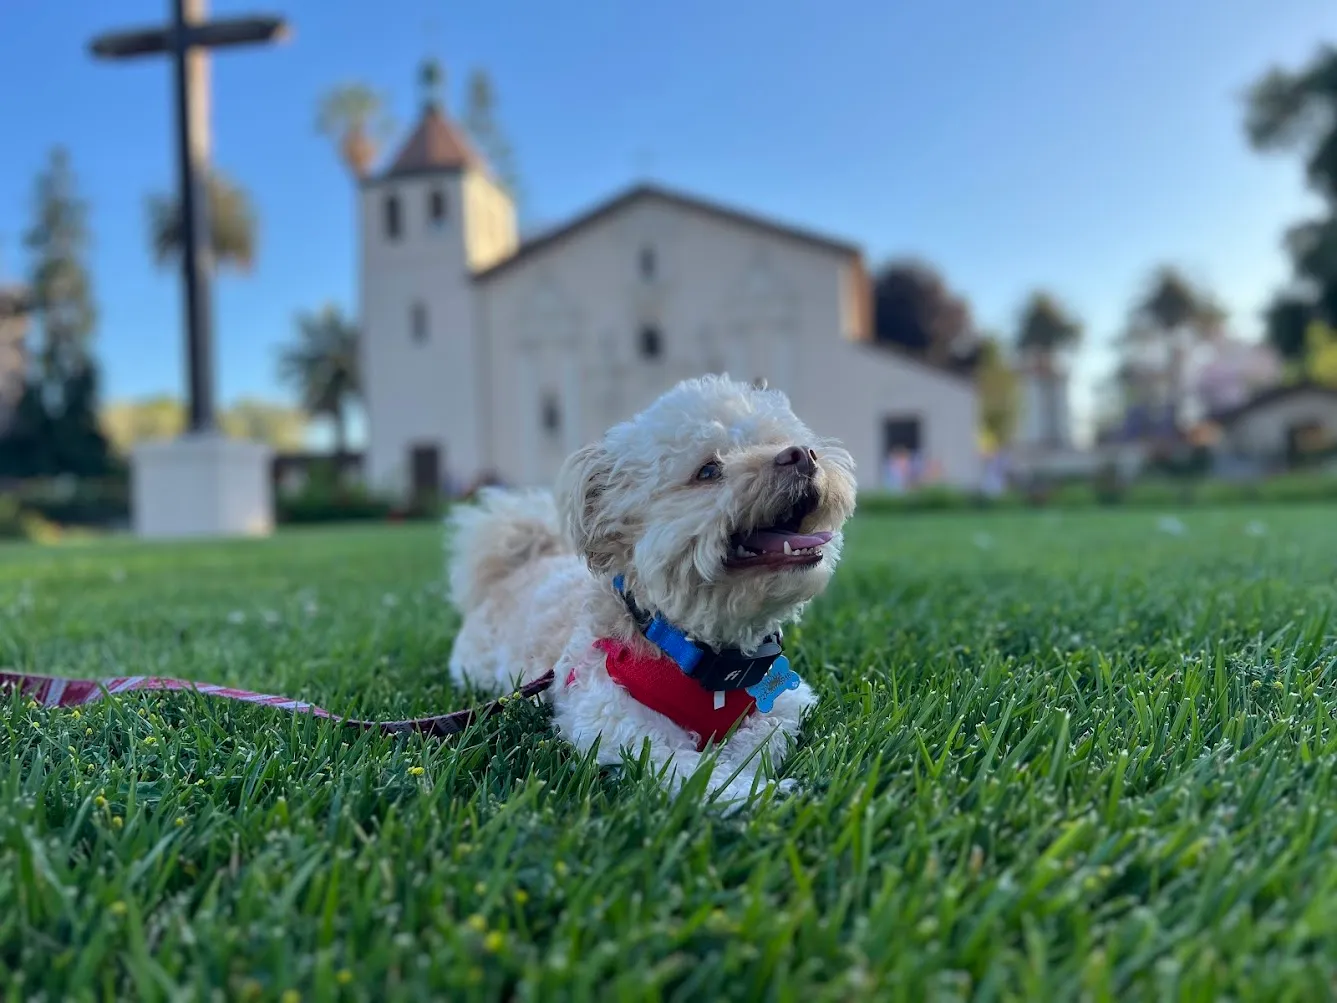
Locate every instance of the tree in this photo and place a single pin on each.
(1046, 331)
(27, 449)
(996, 383)
(1321, 354)
(232, 224)
(1288, 317)
(1313, 250)
(54, 430)
(480, 119)
(1047, 328)
(914, 309)
(1289, 110)
(322, 365)
(128, 423)
(1171, 303)
(1296, 111)
(354, 116)
(278, 426)
(77, 441)
(1170, 316)
(61, 295)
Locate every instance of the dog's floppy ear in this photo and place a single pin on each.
(581, 491)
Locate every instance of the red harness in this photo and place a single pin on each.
(657, 682)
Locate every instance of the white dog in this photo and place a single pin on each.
(657, 584)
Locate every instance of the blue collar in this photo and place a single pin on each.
(728, 669)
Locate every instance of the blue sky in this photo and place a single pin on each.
(1016, 144)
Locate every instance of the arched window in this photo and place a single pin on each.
(418, 323)
(436, 208)
(652, 343)
(551, 414)
(392, 220)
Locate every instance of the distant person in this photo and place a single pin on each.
(898, 471)
(994, 479)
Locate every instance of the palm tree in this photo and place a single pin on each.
(232, 224)
(354, 116)
(1047, 330)
(996, 384)
(322, 365)
(1174, 314)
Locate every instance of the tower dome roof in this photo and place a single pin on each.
(436, 143)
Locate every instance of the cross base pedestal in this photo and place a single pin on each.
(201, 486)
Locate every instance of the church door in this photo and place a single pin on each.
(425, 465)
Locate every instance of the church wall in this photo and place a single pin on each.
(854, 389)
(566, 332)
(419, 371)
(490, 231)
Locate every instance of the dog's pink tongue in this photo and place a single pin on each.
(771, 541)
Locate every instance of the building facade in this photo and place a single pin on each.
(485, 356)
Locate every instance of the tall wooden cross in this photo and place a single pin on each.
(187, 39)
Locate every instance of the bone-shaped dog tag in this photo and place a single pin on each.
(780, 678)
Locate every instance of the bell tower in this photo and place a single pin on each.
(427, 222)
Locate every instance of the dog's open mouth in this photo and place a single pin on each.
(780, 544)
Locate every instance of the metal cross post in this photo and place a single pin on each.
(186, 40)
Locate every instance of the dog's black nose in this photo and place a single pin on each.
(804, 461)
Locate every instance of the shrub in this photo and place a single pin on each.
(1107, 488)
(315, 504)
(16, 523)
(70, 501)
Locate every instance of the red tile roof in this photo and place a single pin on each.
(437, 144)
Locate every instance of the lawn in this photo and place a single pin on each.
(1057, 756)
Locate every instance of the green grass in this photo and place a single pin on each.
(1058, 756)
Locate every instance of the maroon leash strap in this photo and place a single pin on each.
(54, 691)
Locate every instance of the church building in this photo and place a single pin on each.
(483, 355)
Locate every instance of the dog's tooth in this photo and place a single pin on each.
(788, 552)
(742, 551)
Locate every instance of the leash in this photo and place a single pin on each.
(54, 691)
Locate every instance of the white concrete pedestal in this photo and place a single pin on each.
(201, 485)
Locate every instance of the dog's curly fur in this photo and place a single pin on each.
(532, 574)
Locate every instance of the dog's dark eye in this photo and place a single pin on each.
(712, 471)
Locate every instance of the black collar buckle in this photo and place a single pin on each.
(728, 669)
